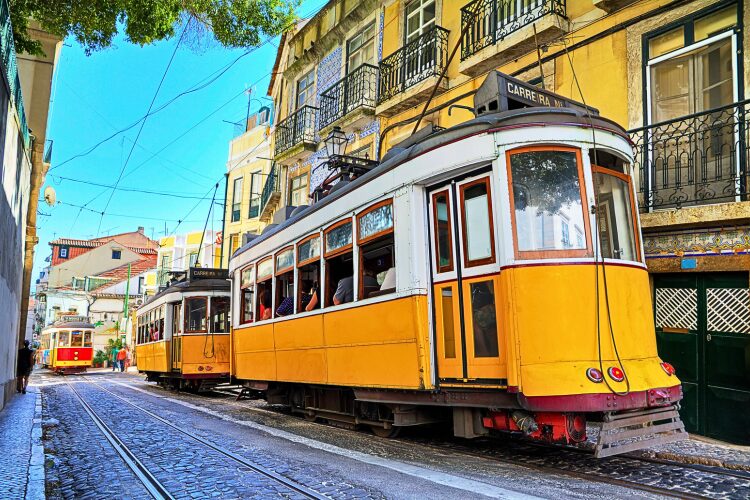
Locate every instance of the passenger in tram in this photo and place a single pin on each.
(309, 298)
(265, 305)
(286, 307)
(345, 289)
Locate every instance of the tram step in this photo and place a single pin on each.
(621, 433)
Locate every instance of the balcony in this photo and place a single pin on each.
(698, 159)
(296, 134)
(271, 194)
(357, 91)
(419, 60)
(499, 24)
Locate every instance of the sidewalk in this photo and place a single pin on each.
(22, 452)
(701, 450)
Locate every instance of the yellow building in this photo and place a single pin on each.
(252, 184)
(674, 73)
(182, 251)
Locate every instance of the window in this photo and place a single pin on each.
(441, 214)
(193, 259)
(361, 48)
(236, 198)
(547, 194)
(116, 254)
(339, 263)
(76, 338)
(176, 318)
(476, 217)
(284, 282)
(4, 102)
(220, 315)
(615, 215)
(164, 267)
(87, 338)
(308, 273)
(247, 292)
(63, 339)
(298, 191)
(195, 314)
(264, 274)
(305, 89)
(377, 272)
(484, 319)
(420, 17)
(256, 180)
(234, 243)
(63, 252)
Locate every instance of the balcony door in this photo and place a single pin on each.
(419, 55)
(362, 83)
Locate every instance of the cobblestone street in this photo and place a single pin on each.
(111, 435)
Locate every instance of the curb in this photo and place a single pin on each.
(36, 478)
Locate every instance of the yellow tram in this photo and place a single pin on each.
(67, 346)
(490, 273)
(182, 333)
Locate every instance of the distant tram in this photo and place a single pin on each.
(489, 274)
(182, 333)
(67, 347)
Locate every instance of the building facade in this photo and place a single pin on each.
(672, 72)
(180, 252)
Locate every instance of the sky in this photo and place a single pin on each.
(182, 149)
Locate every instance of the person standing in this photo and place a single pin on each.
(24, 365)
(113, 357)
(122, 354)
(128, 357)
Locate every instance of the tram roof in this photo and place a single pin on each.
(198, 285)
(73, 324)
(417, 145)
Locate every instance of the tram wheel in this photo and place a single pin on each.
(382, 432)
(310, 417)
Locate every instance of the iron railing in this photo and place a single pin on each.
(297, 128)
(486, 22)
(10, 67)
(271, 186)
(358, 88)
(696, 159)
(416, 61)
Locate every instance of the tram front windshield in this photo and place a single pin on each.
(220, 314)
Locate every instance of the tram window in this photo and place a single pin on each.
(377, 257)
(484, 319)
(195, 314)
(220, 314)
(339, 264)
(479, 241)
(548, 202)
(76, 338)
(176, 313)
(308, 274)
(443, 236)
(285, 282)
(63, 339)
(247, 292)
(87, 339)
(161, 322)
(265, 302)
(605, 159)
(615, 215)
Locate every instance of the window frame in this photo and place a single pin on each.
(309, 80)
(276, 271)
(550, 254)
(268, 276)
(118, 252)
(372, 208)
(341, 250)
(62, 249)
(293, 190)
(596, 169)
(438, 268)
(492, 259)
(185, 316)
(302, 242)
(243, 320)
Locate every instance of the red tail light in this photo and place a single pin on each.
(594, 375)
(616, 374)
(668, 368)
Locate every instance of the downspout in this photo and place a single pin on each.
(38, 172)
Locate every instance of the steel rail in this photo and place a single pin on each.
(149, 481)
(260, 469)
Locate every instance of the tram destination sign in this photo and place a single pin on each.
(207, 273)
(501, 92)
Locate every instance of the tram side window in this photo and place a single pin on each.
(615, 215)
(196, 314)
(76, 338)
(161, 323)
(377, 274)
(265, 274)
(247, 293)
(548, 203)
(220, 314)
(476, 215)
(284, 283)
(339, 264)
(308, 273)
(176, 313)
(63, 339)
(443, 235)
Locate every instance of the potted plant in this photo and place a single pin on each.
(99, 359)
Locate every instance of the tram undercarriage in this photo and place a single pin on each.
(179, 382)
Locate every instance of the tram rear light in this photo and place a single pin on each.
(667, 367)
(616, 374)
(594, 375)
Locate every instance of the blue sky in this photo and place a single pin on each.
(97, 95)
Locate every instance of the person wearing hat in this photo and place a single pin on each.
(24, 365)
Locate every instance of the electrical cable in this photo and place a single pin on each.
(130, 216)
(127, 189)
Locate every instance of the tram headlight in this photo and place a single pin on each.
(594, 375)
(668, 368)
(616, 373)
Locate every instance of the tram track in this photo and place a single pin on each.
(156, 488)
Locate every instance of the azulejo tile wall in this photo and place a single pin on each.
(705, 242)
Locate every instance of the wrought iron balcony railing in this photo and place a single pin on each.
(416, 61)
(490, 21)
(271, 186)
(10, 66)
(697, 159)
(297, 128)
(357, 89)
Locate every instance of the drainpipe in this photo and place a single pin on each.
(38, 171)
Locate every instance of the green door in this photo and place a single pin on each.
(703, 329)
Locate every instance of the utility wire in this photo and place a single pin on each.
(128, 189)
(130, 216)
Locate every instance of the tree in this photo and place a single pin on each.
(95, 23)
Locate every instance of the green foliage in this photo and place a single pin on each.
(112, 343)
(95, 23)
(100, 357)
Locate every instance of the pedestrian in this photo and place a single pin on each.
(121, 356)
(24, 365)
(128, 358)
(113, 357)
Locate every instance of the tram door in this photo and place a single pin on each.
(470, 346)
(176, 354)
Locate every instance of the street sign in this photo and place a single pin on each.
(207, 273)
